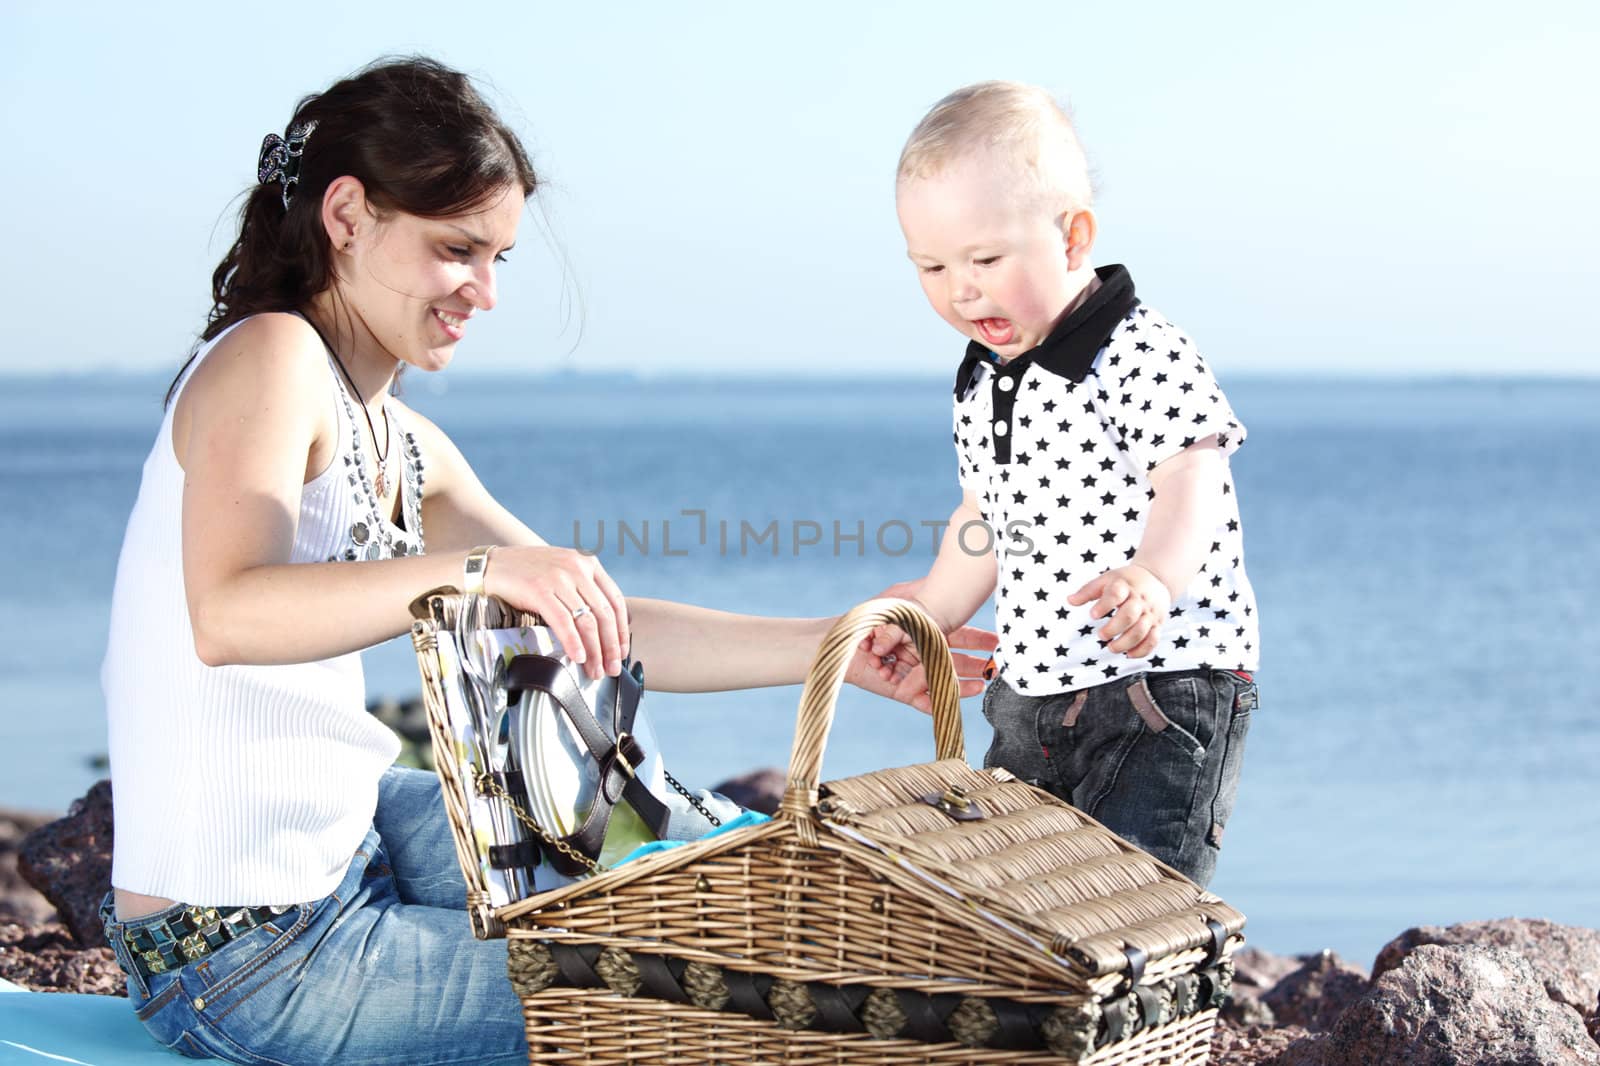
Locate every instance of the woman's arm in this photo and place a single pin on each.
(255, 419)
(684, 648)
(459, 513)
(696, 649)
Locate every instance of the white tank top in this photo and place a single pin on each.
(236, 785)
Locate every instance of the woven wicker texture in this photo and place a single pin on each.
(978, 914)
(576, 1025)
(435, 611)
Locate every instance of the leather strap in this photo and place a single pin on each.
(523, 855)
(662, 977)
(617, 761)
(1120, 1022)
(1136, 960)
(838, 1006)
(511, 781)
(747, 993)
(1020, 1024)
(926, 1014)
(576, 963)
(1219, 941)
(1149, 1006)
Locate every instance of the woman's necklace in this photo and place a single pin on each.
(372, 535)
(380, 480)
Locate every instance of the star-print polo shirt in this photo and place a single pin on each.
(1056, 446)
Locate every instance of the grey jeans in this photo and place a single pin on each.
(1154, 757)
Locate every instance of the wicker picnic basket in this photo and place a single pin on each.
(926, 914)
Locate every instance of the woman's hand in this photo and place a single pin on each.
(572, 592)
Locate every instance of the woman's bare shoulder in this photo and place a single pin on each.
(271, 365)
(262, 357)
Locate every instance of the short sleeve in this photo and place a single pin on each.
(964, 471)
(1161, 395)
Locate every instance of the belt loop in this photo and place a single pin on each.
(1074, 709)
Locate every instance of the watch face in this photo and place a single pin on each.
(472, 572)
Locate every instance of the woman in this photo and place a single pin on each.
(281, 893)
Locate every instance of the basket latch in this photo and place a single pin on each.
(955, 803)
(1219, 940)
(1136, 960)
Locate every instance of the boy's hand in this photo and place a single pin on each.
(1137, 602)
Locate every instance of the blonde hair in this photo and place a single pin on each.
(1015, 124)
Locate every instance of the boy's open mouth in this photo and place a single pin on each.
(995, 331)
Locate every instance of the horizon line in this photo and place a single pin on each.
(787, 375)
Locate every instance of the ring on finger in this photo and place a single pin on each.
(579, 611)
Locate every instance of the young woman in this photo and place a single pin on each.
(282, 894)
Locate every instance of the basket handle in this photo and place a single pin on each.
(827, 677)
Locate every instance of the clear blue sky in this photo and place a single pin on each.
(1355, 188)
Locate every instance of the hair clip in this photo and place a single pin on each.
(280, 158)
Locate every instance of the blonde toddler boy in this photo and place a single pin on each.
(1096, 493)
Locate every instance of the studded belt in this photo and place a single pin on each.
(191, 934)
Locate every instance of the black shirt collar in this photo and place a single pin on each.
(1070, 349)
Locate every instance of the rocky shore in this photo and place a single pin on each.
(1505, 991)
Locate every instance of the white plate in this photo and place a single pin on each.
(562, 777)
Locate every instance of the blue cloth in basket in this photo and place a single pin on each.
(748, 818)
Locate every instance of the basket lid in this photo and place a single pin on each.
(1029, 864)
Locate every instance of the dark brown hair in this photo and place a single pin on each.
(414, 132)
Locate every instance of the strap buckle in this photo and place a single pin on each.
(624, 742)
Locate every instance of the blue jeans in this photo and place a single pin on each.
(1155, 757)
(384, 970)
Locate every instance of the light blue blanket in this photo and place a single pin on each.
(67, 1029)
(46, 1028)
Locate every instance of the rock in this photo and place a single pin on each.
(409, 720)
(19, 901)
(1316, 994)
(69, 862)
(46, 958)
(759, 790)
(1246, 1010)
(1566, 957)
(1260, 970)
(1233, 1045)
(1457, 1005)
(1254, 973)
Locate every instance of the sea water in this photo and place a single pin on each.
(1427, 744)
